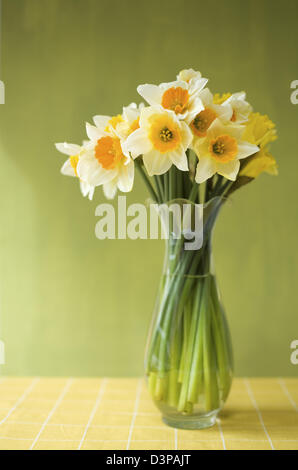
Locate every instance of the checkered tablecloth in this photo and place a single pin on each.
(116, 414)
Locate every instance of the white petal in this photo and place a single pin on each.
(67, 169)
(151, 93)
(240, 95)
(186, 135)
(205, 169)
(218, 128)
(179, 158)
(174, 84)
(130, 113)
(245, 149)
(223, 111)
(93, 132)
(90, 171)
(91, 193)
(195, 107)
(110, 189)
(87, 190)
(68, 149)
(206, 96)
(156, 163)
(235, 130)
(196, 85)
(101, 121)
(125, 177)
(188, 74)
(229, 170)
(149, 111)
(137, 143)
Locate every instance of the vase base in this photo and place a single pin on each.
(198, 422)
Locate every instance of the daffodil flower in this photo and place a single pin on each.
(200, 123)
(220, 151)
(70, 166)
(162, 140)
(241, 108)
(262, 162)
(129, 121)
(105, 162)
(189, 75)
(180, 96)
(260, 130)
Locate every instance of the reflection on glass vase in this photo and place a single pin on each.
(189, 354)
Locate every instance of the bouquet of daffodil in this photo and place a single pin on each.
(189, 145)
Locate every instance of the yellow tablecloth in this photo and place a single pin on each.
(83, 413)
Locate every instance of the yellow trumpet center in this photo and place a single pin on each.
(175, 99)
(74, 163)
(108, 152)
(164, 134)
(113, 122)
(224, 148)
(201, 123)
(134, 125)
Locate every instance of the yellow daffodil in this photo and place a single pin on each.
(259, 130)
(162, 140)
(70, 166)
(105, 162)
(262, 162)
(220, 151)
(180, 96)
(201, 122)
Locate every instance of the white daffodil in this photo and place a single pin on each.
(128, 122)
(70, 166)
(105, 162)
(162, 140)
(241, 108)
(189, 75)
(201, 122)
(220, 151)
(180, 96)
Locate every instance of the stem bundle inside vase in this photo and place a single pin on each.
(189, 360)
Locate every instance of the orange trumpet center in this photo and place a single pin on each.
(201, 123)
(108, 152)
(224, 148)
(175, 99)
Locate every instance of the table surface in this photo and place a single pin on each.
(116, 414)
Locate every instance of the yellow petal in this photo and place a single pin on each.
(263, 161)
(259, 130)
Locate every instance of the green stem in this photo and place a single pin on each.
(159, 188)
(189, 353)
(172, 183)
(166, 187)
(146, 179)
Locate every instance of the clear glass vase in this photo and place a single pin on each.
(189, 354)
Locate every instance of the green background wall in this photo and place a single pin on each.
(71, 304)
